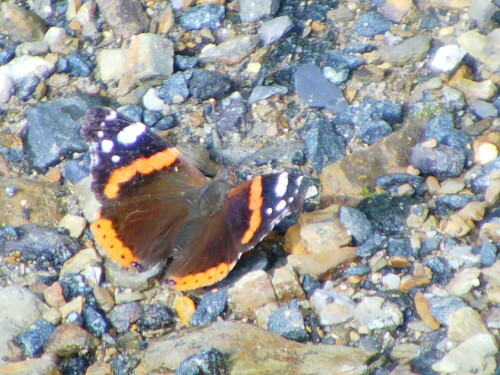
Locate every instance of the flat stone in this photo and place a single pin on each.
(112, 64)
(447, 58)
(464, 281)
(230, 52)
(331, 307)
(484, 48)
(232, 339)
(377, 313)
(407, 52)
(23, 66)
(275, 29)
(125, 17)
(395, 10)
(47, 365)
(69, 339)
(254, 10)
(483, 90)
(74, 224)
(21, 24)
(198, 17)
(465, 323)
(371, 23)
(286, 284)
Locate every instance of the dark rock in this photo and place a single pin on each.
(387, 213)
(198, 17)
(206, 84)
(7, 52)
(94, 321)
(40, 244)
(33, 340)
(275, 29)
(150, 118)
(442, 161)
(123, 365)
(323, 145)
(10, 191)
(392, 182)
(126, 17)
(74, 365)
(488, 254)
(357, 270)
(166, 123)
(75, 318)
(288, 322)
(53, 130)
(359, 48)
(310, 284)
(441, 270)
(336, 57)
(483, 109)
(428, 353)
(254, 10)
(79, 66)
(374, 243)
(371, 23)
(442, 306)
(74, 285)
(316, 91)
(185, 62)
(356, 223)
(400, 247)
(133, 112)
(430, 19)
(62, 65)
(482, 181)
(229, 113)
(174, 89)
(206, 362)
(123, 315)
(46, 279)
(209, 308)
(10, 154)
(430, 245)
(447, 204)
(77, 169)
(155, 316)
(27, 86)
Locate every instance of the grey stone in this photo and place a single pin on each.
(254, 10)
(275, 29)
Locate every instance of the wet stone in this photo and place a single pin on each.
(75, 285)
(209, 308)
(442, 307)
(121, 316)
(33, 340)
(155, 316)
(323, 145)
(356, 223)
(206, 84)
(206, 362)
(275, 29)
(288, 322)
(198, 17)
(371, 23)
(483, 109)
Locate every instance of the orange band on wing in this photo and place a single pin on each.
(156, 162)
(254, 205)
(107, 238)
(197, 280)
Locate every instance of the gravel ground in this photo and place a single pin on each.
(391, 107)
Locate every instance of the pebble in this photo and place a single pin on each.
(198, 17)
(206, 84)
(407, 52)
(286, 284)
(266, 92)
(377, 313)
(153, 104)
(316, 91)
(229, 52)
(209, 308)
(331, 307)
(174, 89)
(38, 48)
(21, 24)
(75, 285)
(447, 58)
(40, 366)
(111, 64)
(23, 66)
(371, 23)
(442, 161)
(73, 224)
(7, 88)
(125, 17)
(121, 316)
(442, 306)
(356, 223)
(69, 339)
(275, 29)
(465, 323)
(483, 109)
(254, 10)
(34, 339)
(488, 254)
(155, 316)
(288, 322)
(210, 361)
(94, 321)
(396, 10)
(78, 65)
(483, 90)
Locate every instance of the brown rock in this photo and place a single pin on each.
(126, 17)
(69, 339)
(252, 291)
(47, 365)
(423, 310)
(316, 232)
(21, 24)
(345, 180)
(252, 350)
(319, 264)
(75, 305)
(456, 226)
(103, 298)
(99, 368)
(184, 308)
(463, 281)
(230, 52)
(395, 10)
(465, 323)
(286, 284)
(490, 232)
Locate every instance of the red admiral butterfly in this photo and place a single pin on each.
(157, 206)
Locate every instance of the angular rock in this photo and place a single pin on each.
(371, 23)
(210, 361)
(288, 322)
(442, 161)
(206, 84)
(209, 308)
(21, 24)
(198, 17)
(408, 52)
(331, 307)
(377, 313)
(231, 51)
(125, 17)
(275, 29)
(68, 339)
(254, 10)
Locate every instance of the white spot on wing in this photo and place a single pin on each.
(111, 116)
(281, 185)
(269, 211)
(107, 146)
(100, 134)
(312, 191)
(129, 134)
(298, 181)
(115, 158)
(281, 205)
(290, 200)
